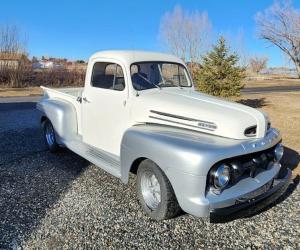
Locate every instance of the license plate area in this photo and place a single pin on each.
(252, 195)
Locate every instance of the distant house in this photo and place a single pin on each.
(58, 63)
(12, 60)
(51, 63)
(43, 65)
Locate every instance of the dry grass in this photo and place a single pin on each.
(17, 92)
(271, 82)
(284, 111)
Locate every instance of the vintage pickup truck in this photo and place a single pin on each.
(139, 113)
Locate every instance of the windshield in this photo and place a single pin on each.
(149, 75)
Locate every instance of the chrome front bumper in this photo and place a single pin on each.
(275, 188)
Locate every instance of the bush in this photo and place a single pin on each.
(57, 78)
(15, 77)
(219, 73)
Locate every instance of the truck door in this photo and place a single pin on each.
(105, 114)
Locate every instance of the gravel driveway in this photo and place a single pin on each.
(62, 201)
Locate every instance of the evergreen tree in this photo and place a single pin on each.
(219, 73)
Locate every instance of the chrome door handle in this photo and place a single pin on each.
(85, 99)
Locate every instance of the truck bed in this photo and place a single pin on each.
(64, 92)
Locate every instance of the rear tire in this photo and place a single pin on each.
(155, 192)
(49, 136)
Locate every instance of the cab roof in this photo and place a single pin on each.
(132, 56)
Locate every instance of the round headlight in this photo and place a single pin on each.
(278, 151)
(221, 176)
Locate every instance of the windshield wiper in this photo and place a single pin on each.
(157, 86)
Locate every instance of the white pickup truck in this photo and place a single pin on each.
(139, 113)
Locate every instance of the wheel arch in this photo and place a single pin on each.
(136, 163)
(139, 144)
(175, 159)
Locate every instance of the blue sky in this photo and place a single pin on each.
(76, 29)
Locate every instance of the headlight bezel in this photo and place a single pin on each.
(278, 152)
(220, 176)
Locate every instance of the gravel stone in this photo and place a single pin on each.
(55, 201)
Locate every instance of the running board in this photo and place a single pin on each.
(100, 158)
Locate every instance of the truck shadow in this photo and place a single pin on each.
(254, 103)
(30, 185)
(290, 160)
(32, 180)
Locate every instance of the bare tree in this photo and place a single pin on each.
(237, 45)
(280, 25)
(186, 34)
(240, 48)
(13, 56)
(10, 40)
(258, 63)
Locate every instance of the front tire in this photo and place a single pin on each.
(155, 192)
(49, 136)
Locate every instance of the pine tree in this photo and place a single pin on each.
(219, 73)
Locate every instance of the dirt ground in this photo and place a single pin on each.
(16, 92)
(284, 112)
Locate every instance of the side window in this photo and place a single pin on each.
(108, 76)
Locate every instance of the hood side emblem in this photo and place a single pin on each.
(207, 125)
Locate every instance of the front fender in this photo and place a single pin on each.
(183, 150)
(186, 158)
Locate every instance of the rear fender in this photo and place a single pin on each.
(62, 115)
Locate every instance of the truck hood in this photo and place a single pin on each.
(189, 109)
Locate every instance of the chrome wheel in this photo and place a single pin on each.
(150, 188)
(49, 133)
(155, 193)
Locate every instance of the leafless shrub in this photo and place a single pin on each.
(46, 77)
(280, 25)
(258, 63)
(58, 78)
